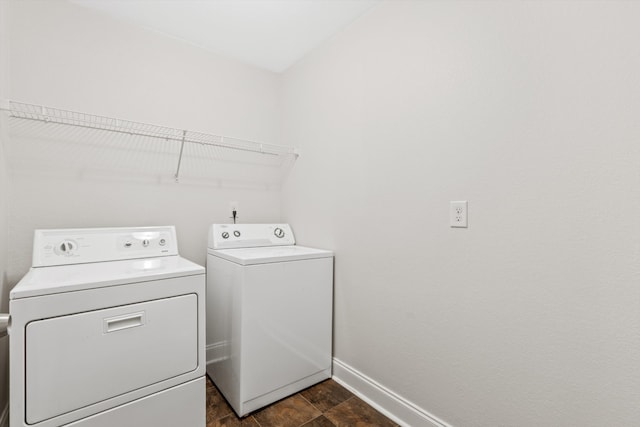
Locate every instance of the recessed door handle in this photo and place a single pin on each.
(119, 323)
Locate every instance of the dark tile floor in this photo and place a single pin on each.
(327, 404)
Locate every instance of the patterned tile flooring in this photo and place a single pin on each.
(327, 404)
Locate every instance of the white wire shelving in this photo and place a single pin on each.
(38, 113)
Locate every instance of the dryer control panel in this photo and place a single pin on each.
(227, 236)
(79, 246)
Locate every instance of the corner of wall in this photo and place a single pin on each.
(4, 290)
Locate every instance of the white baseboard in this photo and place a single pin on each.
(4, 417)
(382, 399)
(216, 352)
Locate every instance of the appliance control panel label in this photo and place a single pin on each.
(77, 246)
(227, 236)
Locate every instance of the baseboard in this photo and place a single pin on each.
(384, 400)
(4, 417)
(216, 352)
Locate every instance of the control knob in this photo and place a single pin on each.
(66, 247)
(279, 233)
(225, 235)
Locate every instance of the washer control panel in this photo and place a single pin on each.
(226, 236)
(77, 246)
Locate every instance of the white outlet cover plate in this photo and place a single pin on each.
(458, 214)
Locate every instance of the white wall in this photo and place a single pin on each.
(4, 207)
(528, 110)
(66, 56)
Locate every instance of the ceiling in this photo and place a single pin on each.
(270, 34)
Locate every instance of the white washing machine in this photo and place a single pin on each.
(107, 329)
(269, 314)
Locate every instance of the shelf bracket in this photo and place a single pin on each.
(184, 137)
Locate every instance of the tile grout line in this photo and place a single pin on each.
(314, 407)
(304, 399)
(394, 424)
(341, 403)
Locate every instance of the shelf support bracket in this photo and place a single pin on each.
(184, 137)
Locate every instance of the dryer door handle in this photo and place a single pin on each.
(114, 324)
(5, 321)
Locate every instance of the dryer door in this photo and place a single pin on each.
(77, 360)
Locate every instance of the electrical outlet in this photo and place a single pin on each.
(458, 214)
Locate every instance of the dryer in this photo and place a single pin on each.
(107, 329)
(269, 314)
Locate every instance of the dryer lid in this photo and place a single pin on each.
(264, 255)
(76, 277)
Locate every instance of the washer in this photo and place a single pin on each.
(269, 314)
(107, 329)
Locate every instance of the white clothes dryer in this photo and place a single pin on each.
(269, 314)
(107, 329)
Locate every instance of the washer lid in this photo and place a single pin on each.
(251, 256)
(76, 277)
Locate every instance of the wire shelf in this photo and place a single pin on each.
(30, 112)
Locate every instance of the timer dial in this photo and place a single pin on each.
(66, 248)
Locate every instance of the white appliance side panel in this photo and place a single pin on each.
(224, 344)
(80, 359)
(183, 405)
(286, 323)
